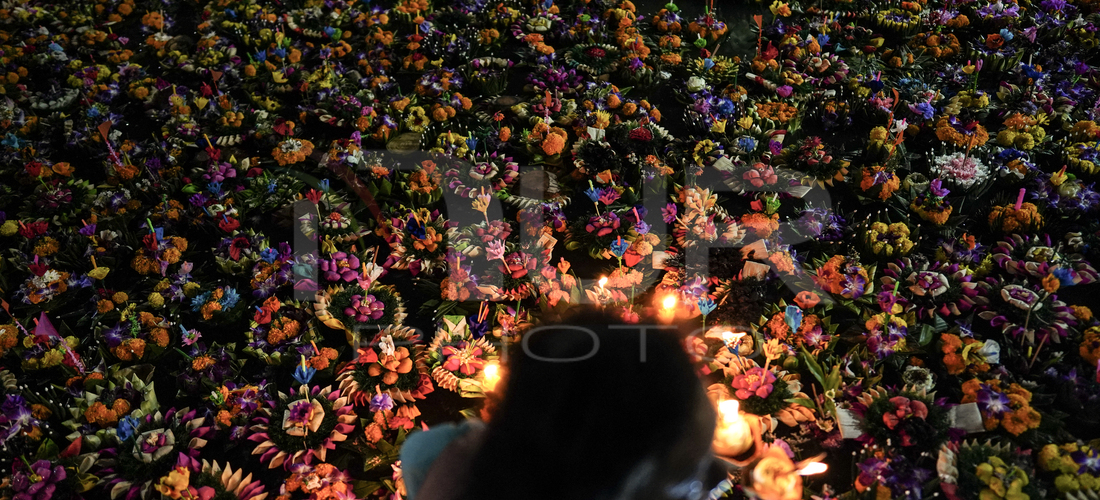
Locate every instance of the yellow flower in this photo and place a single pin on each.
(1066, 483)
(175, 484)
(99, 272)
(780, 9)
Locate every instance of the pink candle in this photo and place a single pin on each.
(1020, 198)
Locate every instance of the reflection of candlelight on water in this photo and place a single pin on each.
(492, 376)
(734, 436)
(813, 468)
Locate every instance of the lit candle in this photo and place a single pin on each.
(668, 308)
(733, 341)
(603, 281)
(492, 376)
(813, 468)
(734, 436)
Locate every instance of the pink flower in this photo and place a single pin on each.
(760, 175)
(754, 381)
(904, 408)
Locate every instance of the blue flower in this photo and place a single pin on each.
(822, 39)
(215, 188)
(304, 373)
(261, 56)
(924, 109)
(281, 52)
(1064, 275)
(471, 143)
(11, 141)
(415, 228)
(324, 185)
(708, 63)
(478, 329)
(746, 143)
(1007, 34)
(271, 187)
(706, 305)
(619, 246)
(593, 194)
(1031, 72)
(793, 317)
(230, 298)
(198, 301)
(642, 227)
(726, 107)
(269, 255)
(127, 427)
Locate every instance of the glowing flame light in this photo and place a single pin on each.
(730, 410)
(813, 468)
(492, 376)
(668, 302)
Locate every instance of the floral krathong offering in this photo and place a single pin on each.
(250, 246)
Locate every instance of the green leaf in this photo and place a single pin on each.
(940, 325)
(926, 335)
(47, 450)
(813, 366)
(832, 381)
(363, 489)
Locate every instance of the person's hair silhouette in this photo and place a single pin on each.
(589, 410)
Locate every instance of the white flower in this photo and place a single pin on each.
(695, 84)
(960, 169)
(386, 345)
(991, 351)
(1021, 297)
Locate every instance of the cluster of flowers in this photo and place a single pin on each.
(285, 225)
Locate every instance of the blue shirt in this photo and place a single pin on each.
(422, 448)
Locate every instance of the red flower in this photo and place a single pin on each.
(806, 299)
(239, 243)
(33, 229)
(314, 196)
(38, 269)
(229, 224)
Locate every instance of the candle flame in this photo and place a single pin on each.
(603, 281)
(730, 410)
(729, 337)
(668, 302)
(813, 468)
(492, 376)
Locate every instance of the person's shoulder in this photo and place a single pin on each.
(421, 449)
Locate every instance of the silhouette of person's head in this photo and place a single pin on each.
(596, 410)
